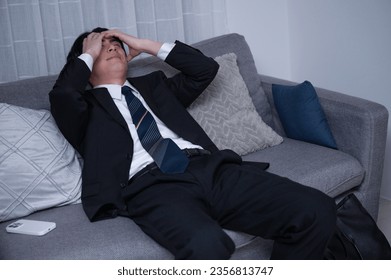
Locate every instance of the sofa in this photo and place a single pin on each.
(358, 126)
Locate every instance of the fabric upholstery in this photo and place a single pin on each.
(39, 169)
(331, 171)
(29, 93)
(77, 238)
(227, 114)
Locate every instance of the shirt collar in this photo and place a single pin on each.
(115, 90)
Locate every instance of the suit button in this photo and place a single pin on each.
(123, 185)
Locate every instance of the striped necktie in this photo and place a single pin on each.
(166, 154)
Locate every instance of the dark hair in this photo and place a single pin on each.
(77, 47)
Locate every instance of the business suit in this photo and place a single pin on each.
(71, 107)
(217, 190)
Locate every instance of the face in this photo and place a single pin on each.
(110, 64)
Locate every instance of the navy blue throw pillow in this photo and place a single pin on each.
(301, 114)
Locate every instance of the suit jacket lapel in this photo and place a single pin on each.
(103, 97)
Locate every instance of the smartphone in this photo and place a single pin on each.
(31, 227)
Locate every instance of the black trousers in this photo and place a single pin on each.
(185, 213)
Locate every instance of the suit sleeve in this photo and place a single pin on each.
(68, 107)
(197, 72)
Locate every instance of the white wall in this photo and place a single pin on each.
(340, 45)
(266, 33)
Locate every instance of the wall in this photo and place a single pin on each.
(340, 45)
(264, 25)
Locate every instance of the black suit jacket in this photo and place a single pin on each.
(92, 123)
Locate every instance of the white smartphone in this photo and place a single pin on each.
(31, 227)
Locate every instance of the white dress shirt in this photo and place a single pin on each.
(141, 157)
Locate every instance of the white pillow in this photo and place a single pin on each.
(38, 167)
(227, 114)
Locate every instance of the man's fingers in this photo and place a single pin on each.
(92, 44)
(113, 33)
(95, 35)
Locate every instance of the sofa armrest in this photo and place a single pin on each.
(359, 127)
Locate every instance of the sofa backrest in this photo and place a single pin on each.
(33, 93)
(217, 46)
(30, 93)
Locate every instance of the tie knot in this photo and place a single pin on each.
(125, 90)
(129, 95)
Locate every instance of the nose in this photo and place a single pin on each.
(112, 47)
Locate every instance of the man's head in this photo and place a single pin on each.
(77, 47)
(111, 64)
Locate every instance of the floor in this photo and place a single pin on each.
(384, 218)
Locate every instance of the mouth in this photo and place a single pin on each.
(113, 57)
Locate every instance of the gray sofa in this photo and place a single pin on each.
(359, 127)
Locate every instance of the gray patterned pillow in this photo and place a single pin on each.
(38, 167)
(227, 114)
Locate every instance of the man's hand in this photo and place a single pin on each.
(92, 44)
(135, 45)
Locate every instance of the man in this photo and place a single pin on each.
(183, 206)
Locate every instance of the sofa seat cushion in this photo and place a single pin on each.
(75, 237)
(328, 170)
